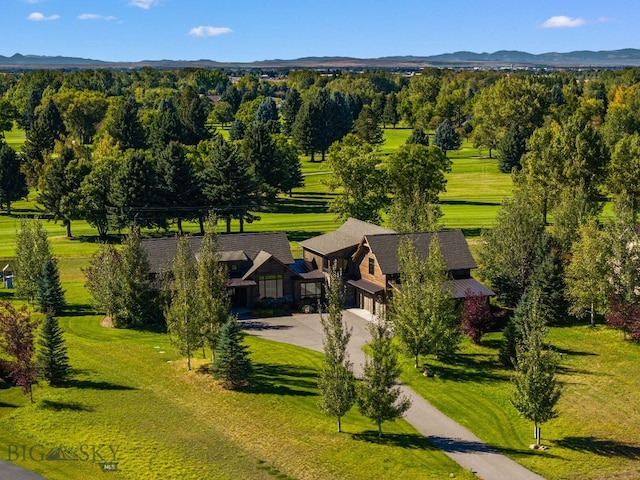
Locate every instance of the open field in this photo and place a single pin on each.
(130, 388)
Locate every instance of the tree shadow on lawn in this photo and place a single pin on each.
(283, 380)
(470, 368)
(413, 441)
(8, 405)
(60, 406)
(456, 445)
(77, 310)
(93, 385)
(602, 447)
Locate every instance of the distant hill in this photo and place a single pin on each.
(628, 57)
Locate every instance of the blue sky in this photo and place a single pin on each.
(248, 30)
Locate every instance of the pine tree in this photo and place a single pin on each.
(182, 312)
(137, 296)
(379, 398)
(418, 136)
(446, 137)
(367, 127)
(13, 183)
(336, 381)
(124, 125)
(49, 294)
(232, 366)
(53, 362)
(512, 147)
(290, 106)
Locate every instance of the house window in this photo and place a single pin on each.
(310, 290)
(270, 286)
(325, 264)
(372, 266)
(234, 267)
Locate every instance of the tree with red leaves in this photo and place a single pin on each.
(477, 318)
(17, 337)
(625, 316)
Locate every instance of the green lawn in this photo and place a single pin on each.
(130, 388)
(14, 138)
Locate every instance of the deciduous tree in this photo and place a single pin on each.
(181, 314)
(379, 398)
(336, 381)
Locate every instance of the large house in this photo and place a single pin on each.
(376, 268)
(261, 266)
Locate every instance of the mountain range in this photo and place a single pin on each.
(628, 57)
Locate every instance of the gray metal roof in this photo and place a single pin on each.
(347, 235)
(455, 249)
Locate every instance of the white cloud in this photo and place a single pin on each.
(94, 16)
(146, 4)
(562, 21)
(207, 31)
(39, 17)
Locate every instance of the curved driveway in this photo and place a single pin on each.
(455, 441)
(9, 471)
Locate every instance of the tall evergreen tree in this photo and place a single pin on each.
(40, 139)
(336, 381)
(367, 127)
(229, 185)
(165, 126)
(379, 398)
(390, 112)
(267, 111)
(180, 194)
(233, 366)
(13, 182)
(49, 294)
(135, 193)
(182, 312)
(192, 111)
(137, 295)
(290, 106)
(237, 130)
(512, 147)
(446, 137)
(418, 136)
(52, 358)
(124, 125)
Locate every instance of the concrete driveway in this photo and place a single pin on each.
(9, 471)
(454, 440)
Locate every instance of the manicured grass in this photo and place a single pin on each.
(596, 432)
(131, 390)
(15, 138)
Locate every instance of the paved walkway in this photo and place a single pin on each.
(454, 440)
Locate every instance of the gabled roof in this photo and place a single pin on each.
(234, 246)
(348, 235)
(455, 249)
